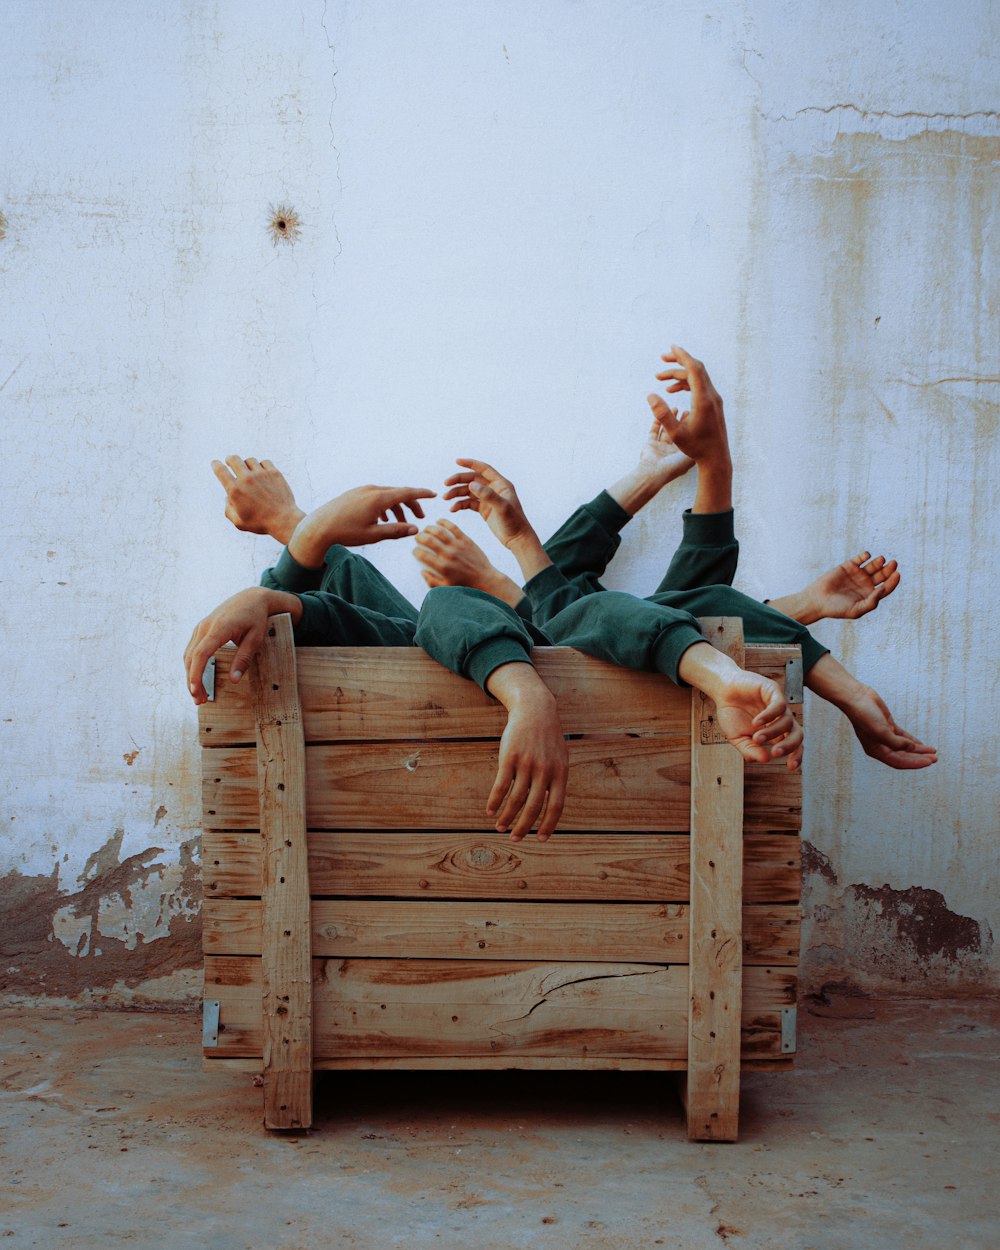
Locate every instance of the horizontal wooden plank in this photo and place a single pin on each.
(614, 783)
(602, 867)
(557, 932)
(493, 1063)
(369, 1008)
(367, 694)
(362, 694)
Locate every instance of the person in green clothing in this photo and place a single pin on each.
(562, 605)
(530, 785)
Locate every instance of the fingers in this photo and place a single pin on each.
(665, 416)
(392, 529)
(481, 469)
(226, 478)
(553, 809)
(248, 648)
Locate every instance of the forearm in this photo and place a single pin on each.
(798, 606)
(715, 484)
(311, 540)
(531, 556)
(634, 490)
(831, 681)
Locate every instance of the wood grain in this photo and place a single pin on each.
(286, 984)
(711, 1090)
(614, 783)
(369, 1008)
(609, 867)
(425, 929)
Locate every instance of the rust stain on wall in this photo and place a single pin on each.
(912, 931)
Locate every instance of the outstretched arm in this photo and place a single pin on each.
(354, 519)
(872, 722)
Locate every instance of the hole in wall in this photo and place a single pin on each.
(285, 225)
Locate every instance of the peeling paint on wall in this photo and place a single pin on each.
(128, 921)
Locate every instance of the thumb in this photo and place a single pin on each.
(484, 493)
(665, 416)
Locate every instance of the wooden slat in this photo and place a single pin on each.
(712, 1087)
(614, 783)
(364, 694)
(286, 981)
(491, 1063)
(357, 694)
(368, 1008)
(609, 867)
(646, 932)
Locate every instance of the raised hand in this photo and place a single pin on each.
(493, 496)
(355, 519)
(700, 433)
(487, 492)
(258, 497)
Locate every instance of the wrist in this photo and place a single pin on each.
(529, 553)
(633, 491)
(307, 545)
(279, 602)
(283, 528)
(715, 485)
(799, 606)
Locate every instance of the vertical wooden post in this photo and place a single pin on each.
(286, 950)
(711, 1085)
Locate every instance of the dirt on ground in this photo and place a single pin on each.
(883, 1136)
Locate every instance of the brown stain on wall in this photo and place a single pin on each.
(913, 929)
(34, 961)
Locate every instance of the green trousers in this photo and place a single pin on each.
(349, 603)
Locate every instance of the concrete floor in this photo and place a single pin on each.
(884, 1136)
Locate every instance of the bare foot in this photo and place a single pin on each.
(258, 497)
(451, 558)
(881, 737)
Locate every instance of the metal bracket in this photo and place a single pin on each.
(793, 680)
(788, 1019)
(209, 679)
(210, 1023)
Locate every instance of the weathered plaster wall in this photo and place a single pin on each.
(504, 211)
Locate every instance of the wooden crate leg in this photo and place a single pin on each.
(710, 1089)
(287, 940)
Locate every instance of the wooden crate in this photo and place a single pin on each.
(360, 912)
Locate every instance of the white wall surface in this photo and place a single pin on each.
(508, 210)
